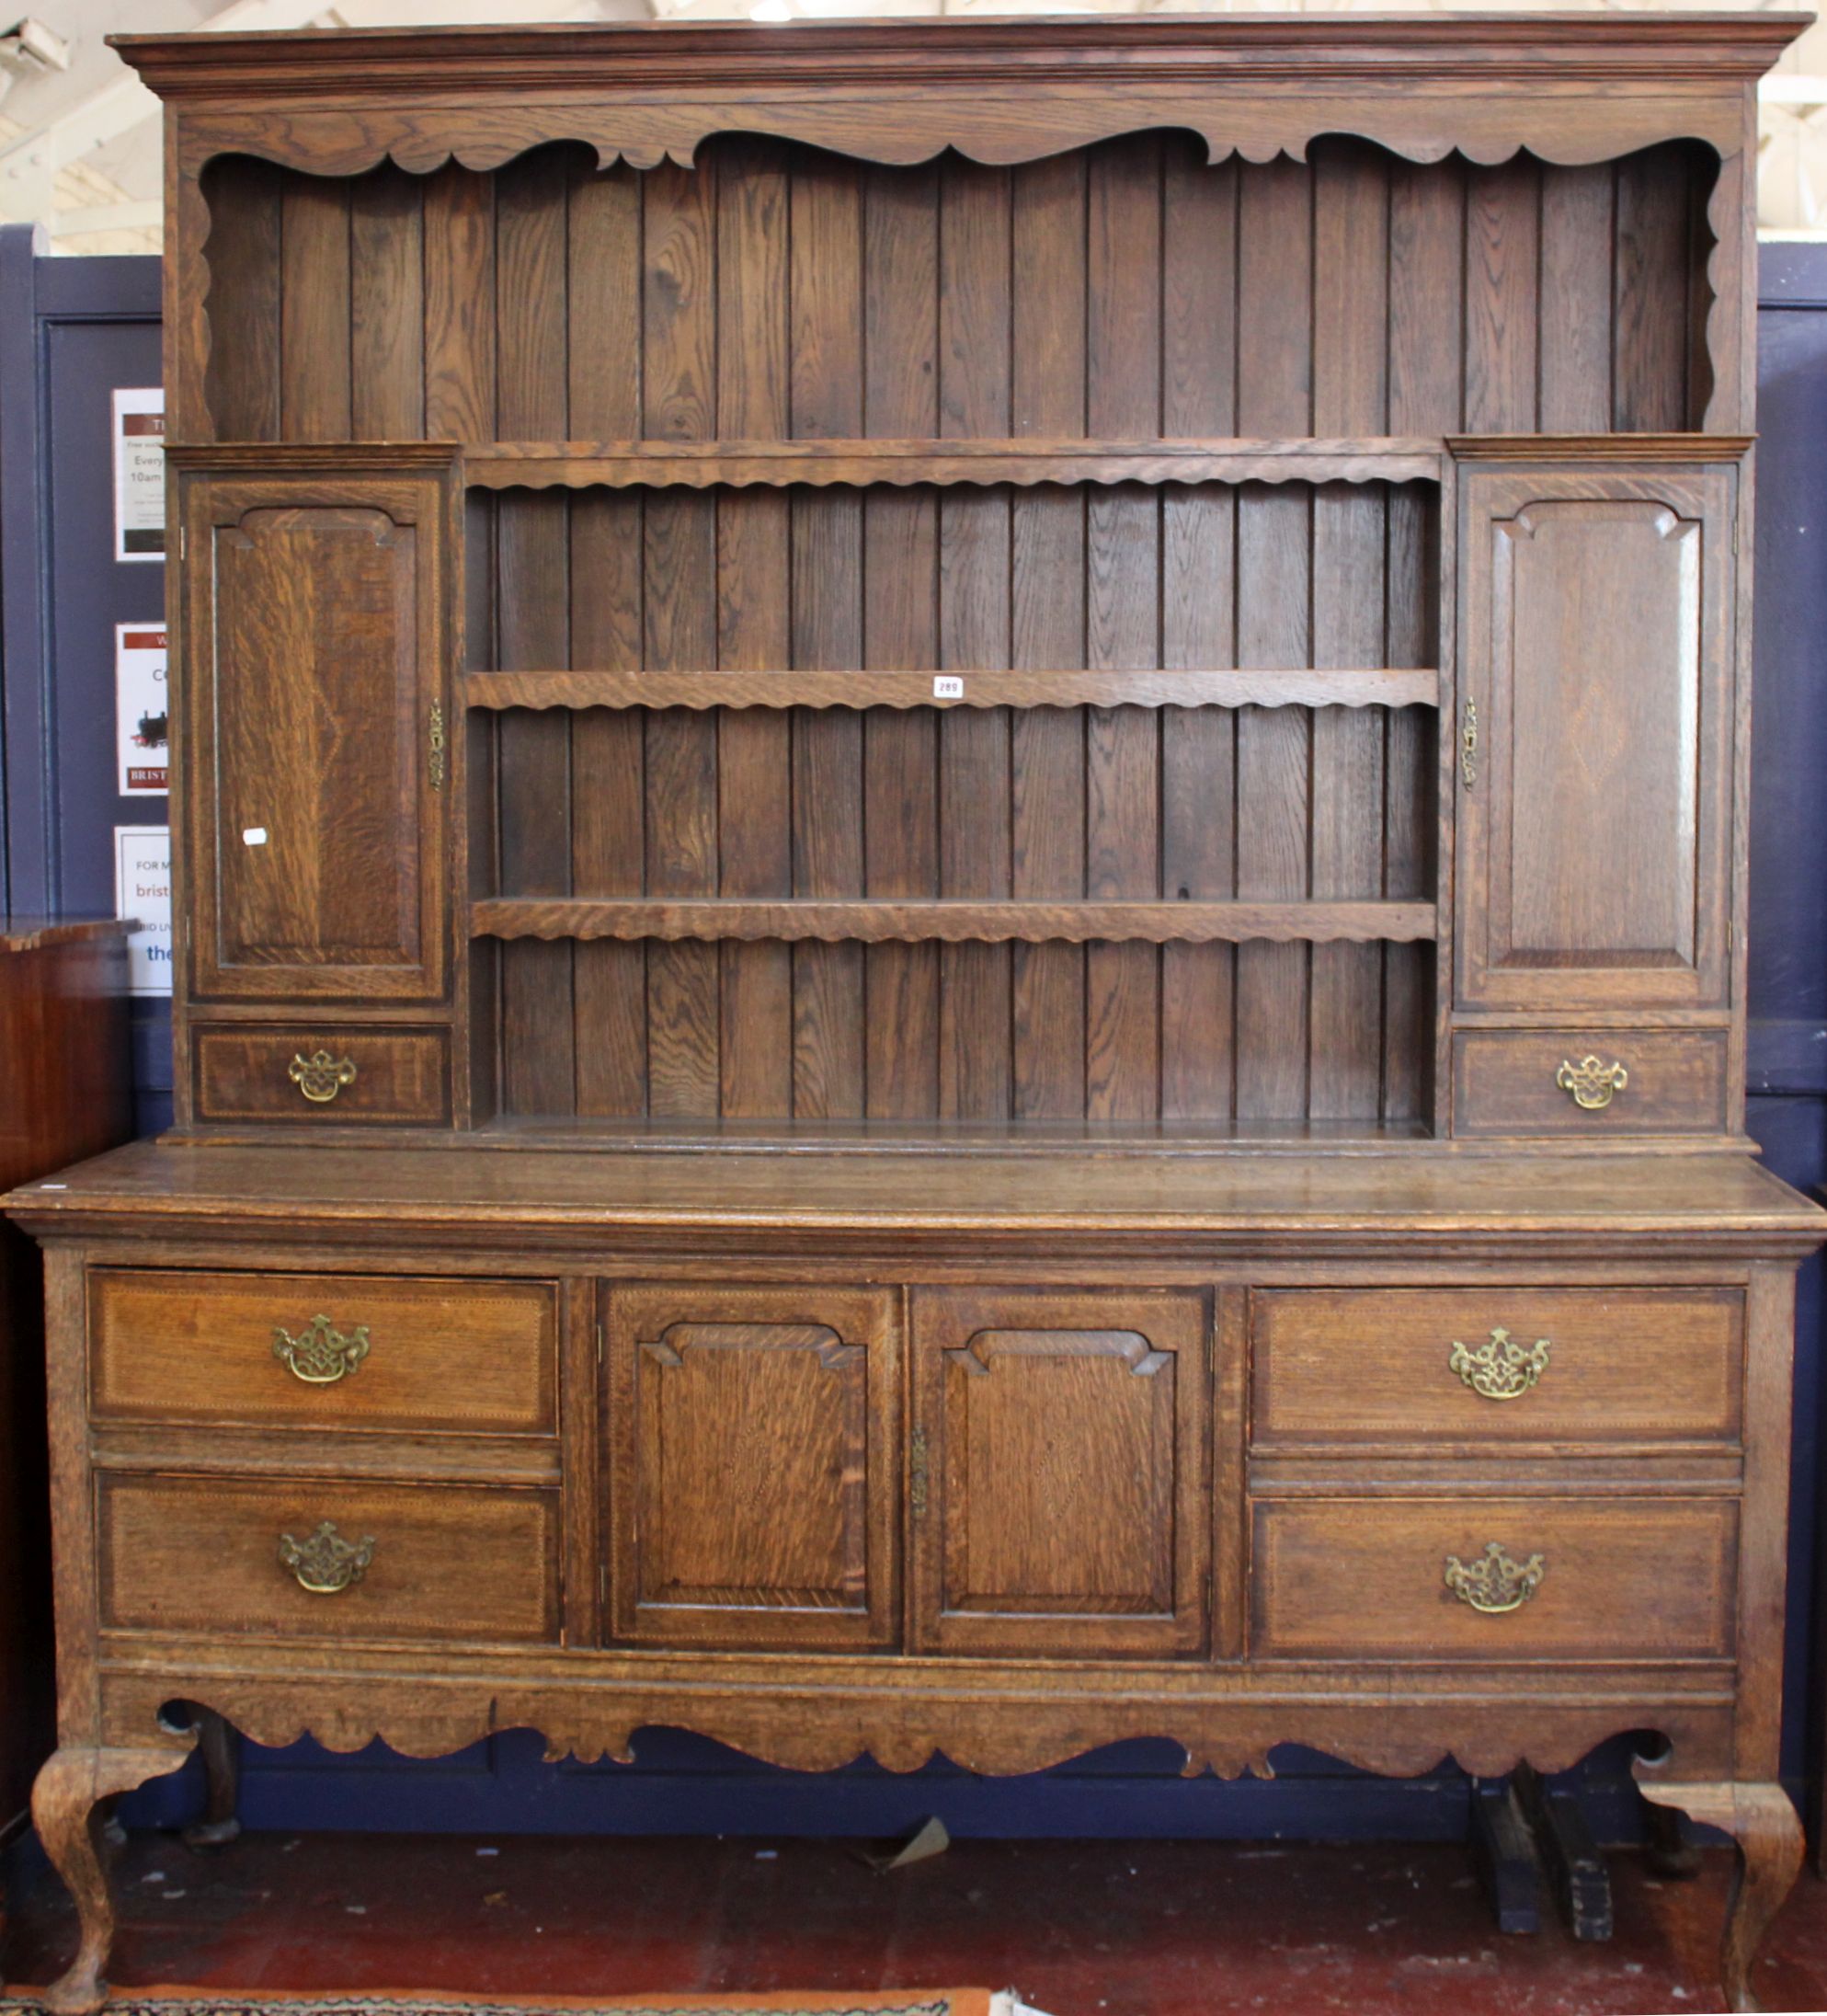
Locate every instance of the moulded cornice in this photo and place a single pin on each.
(1710, 48)
(1569, 88)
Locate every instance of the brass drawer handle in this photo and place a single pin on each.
(1502, 1370)
(320, 1354)
(1494, 1584)
(320, 1076)
(1590, 1084)
(327, 1563)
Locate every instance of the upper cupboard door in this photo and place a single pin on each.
(317, 749)
(1595, 753)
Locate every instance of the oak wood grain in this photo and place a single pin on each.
(1165, 382)
(1062, 1454)
(752, 1488)
(1351, 1365)
(190, 1347)
(448, 1563)
(952, 920)
(1352, 1579)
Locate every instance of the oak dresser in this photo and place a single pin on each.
(961, 813)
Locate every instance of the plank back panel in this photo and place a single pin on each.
(1140, 233)
(1128, 288)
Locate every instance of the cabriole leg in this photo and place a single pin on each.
(1763, 1824)
(66, 1809)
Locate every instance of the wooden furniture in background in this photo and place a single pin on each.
(63, 1092)
(961, 813)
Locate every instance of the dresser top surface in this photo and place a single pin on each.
(1071, 1191)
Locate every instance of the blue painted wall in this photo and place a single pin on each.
(69, 330)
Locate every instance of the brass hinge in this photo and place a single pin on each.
(1468, 744)
(598, 1343)
(183, 542)
(438, 745)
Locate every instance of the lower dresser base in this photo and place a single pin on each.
(1399, 1458)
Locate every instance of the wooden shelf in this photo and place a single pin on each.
(499, 465)
(1298, 688)
(950, 922)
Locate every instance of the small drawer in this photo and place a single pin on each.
(1493, 1578)
(319, 1559)
(325, 1351)
(1472, 1365)
(396, 1077)
(1588, 1081)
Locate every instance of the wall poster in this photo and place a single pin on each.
(141, 707)
(143, 891)
(138, 436)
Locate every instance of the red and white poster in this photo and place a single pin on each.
(141, 709)
(139, 474)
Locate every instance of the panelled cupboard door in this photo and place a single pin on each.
(1057, 1490)
(313, 666)
(1594, 779)
(752, 1474)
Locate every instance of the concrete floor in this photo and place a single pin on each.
(1146, 1929)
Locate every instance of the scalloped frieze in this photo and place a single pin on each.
(985, 1735)
(998, 126)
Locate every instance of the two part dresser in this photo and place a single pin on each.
(961, 812)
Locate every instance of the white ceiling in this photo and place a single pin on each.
(79, 147)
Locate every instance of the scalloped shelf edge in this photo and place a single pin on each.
(494, 692)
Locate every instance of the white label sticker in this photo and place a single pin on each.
(947, 688)
(255, 836)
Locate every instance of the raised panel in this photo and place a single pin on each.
(1354, 1578)
(1594, 831)
(751, 1491)
(314, 661)
(1057, 1501)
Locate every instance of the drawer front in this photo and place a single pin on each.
(325, 1351)
(1599, 1365)
(381, 1560)
(1369, 1578)
(395, 1077)
(1588, 1081)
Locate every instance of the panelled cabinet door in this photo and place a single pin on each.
(751, 1487)
(1056, 1495)
(1594, 745)
(314, 642)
